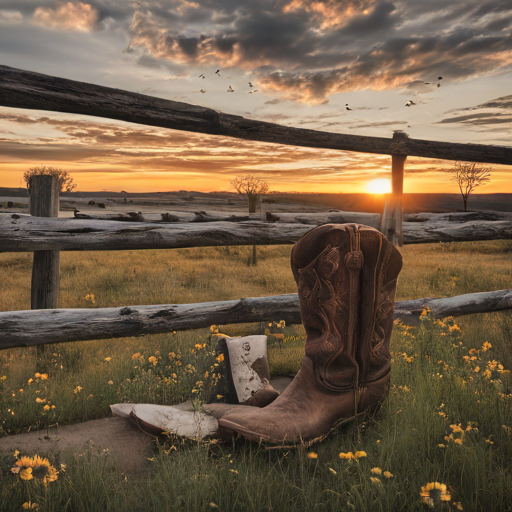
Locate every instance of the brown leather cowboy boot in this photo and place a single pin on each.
(346, 277)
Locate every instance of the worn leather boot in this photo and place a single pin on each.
(346, 278)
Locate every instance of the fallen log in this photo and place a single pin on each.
(37, 327)
(335, 217)
(172, 216)
(21, 233)
(25, 89)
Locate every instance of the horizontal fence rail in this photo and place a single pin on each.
(23, 233)
(38, 327)
(25, 89)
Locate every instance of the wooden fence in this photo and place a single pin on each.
(45, 235)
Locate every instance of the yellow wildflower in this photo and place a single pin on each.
(458, 505)
(376, 471)
(29, 505)
(312, 455)
(434, 493)
(348, 455)
(136, 355)
(458, 441)
(220, 358)
(375, 480)
(153, 360)
(358, 455)
(77, 389)
(110, 382)
(477, 369)
(46, 407)
(388, 474)
(40, 400)
(108, 359)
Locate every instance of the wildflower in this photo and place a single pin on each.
(16, 453)
(376, 471)
(477, 369)
(456, 428)
(388, 474)
(312, 455)
(136, 355)
(234, 471)
(40, 400)
(348, 455)
(486, 346)
(458, 505)
(375, 480)
(44, 376)
(110, 382)
(358, 455)
(77, 389)
(29, 505)
(212, 505)
(219, 397)
(199, 383)
(434, 493)
(153, 360)
(46, 407)
(108, 359)
(220, 358)
(37, 375)
(441, 445)
(458, 441)
(454, 327)
(30, 381)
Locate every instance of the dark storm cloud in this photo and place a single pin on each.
(307, 50)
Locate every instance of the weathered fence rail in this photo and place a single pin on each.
(22, 233)
(25, 89)
(37, 327)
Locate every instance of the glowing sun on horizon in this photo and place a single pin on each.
(381, 186)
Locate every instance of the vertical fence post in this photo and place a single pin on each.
(44, 202)
(392, 217)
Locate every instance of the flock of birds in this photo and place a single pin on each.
(410, 103)
(230, 89)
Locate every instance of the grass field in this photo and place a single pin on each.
(448, 417)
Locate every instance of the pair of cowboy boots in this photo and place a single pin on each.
(346, 277)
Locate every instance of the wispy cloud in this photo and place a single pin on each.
(68, 16)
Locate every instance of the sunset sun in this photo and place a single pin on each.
(381, 186)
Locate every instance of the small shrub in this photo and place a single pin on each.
(101, 205)
(92, 203)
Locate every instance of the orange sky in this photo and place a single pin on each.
(103, 154)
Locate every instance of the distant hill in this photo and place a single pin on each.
(349, 202)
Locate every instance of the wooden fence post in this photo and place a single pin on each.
(392, 217)
(44, 202)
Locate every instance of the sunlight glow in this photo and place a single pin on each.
(381, 186)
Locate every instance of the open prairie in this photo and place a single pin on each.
(448, 417)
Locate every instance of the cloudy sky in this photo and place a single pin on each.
(292, 62)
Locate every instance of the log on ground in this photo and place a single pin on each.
(36, 327)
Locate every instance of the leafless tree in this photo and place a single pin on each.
(251, 187)
(65, 180)
(468, 176)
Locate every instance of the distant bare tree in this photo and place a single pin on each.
(65, 180)
(468, 176)
(251, 187)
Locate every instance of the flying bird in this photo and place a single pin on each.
(201, 76)
(439, 78)
(409, 103)
(250, 84)
(217, 72)
(250, 92)
(202, 90)
(347, 107)
(230, 89)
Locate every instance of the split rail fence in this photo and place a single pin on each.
(43, 233)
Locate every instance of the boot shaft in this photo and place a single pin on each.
(346, 278)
